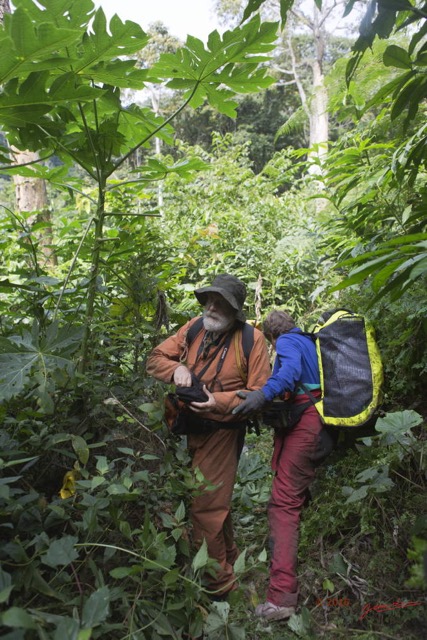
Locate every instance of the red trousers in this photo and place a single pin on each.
(217, 456)
(294, 463)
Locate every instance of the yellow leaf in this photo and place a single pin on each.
(68, 488)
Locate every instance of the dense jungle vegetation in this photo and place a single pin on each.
(157, 165)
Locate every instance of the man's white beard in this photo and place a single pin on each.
(219, 323)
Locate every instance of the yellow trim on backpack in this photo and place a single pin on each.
(376, 374)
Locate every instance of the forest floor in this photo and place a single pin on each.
(356, 566)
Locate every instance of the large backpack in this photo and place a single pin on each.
(351, 373)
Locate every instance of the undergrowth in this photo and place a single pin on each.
(362, 541)
(96, 541)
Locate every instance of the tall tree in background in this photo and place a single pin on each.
(309, 44)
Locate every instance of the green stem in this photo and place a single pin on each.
(94, 271)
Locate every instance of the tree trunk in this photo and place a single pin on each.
(4, 8)
(31, 197)
(31, 193)
(319, 119)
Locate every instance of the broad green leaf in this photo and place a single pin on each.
(61, 552)
(6, 585)
(391, 88)
(67, 629)
(5, 593)
(125, 39)
(337, 564)
(240, 564)
(171, 577)
(373, 474)
(96, 608)
(357, 495)
(166, 555)
(102, 465)
(262, 557)
(180, 512)
(200, 560)
(217, 619)
(251, 7)
(398, 423)
(411, 93)
(30, 353)
(201, 71)
(395, 56)
(328, 585)
(121, 572)
(15, 371)
(383, 275)
(419, 269)
(301, 623)
(17, 618)
(27, 44)
(81, 449)
(407, 239)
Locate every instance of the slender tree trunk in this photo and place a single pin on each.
(319, 119)
(31, 193)
(155, 102)
(4, 8)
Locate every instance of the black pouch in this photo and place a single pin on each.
(194, 393)
(325, 445)
(181, 421)
(187, 422)
(283, 414)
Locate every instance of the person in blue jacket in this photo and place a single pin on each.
(298, 448)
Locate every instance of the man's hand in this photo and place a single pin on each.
(253, 401)
(182, 376)
(202, 407)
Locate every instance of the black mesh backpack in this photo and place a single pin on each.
(351, 373)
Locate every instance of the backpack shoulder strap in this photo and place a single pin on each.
(309, 334)
(247, 339)
(195, 328)
(248, 333)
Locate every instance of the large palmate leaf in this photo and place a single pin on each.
(31, 354)
(229, 65)
(74, 108)
(28, 44)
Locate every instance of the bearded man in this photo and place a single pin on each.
(214, 360)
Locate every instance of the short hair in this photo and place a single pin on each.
(276, 323)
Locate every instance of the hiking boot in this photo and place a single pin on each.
(270, 611)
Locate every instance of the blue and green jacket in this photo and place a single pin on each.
(296, 362)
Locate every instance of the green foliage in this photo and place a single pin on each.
(133, 234)
(73, 105)
(210, 74)
(54, 549)
(33, 358)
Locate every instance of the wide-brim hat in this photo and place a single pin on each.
(230, 288)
